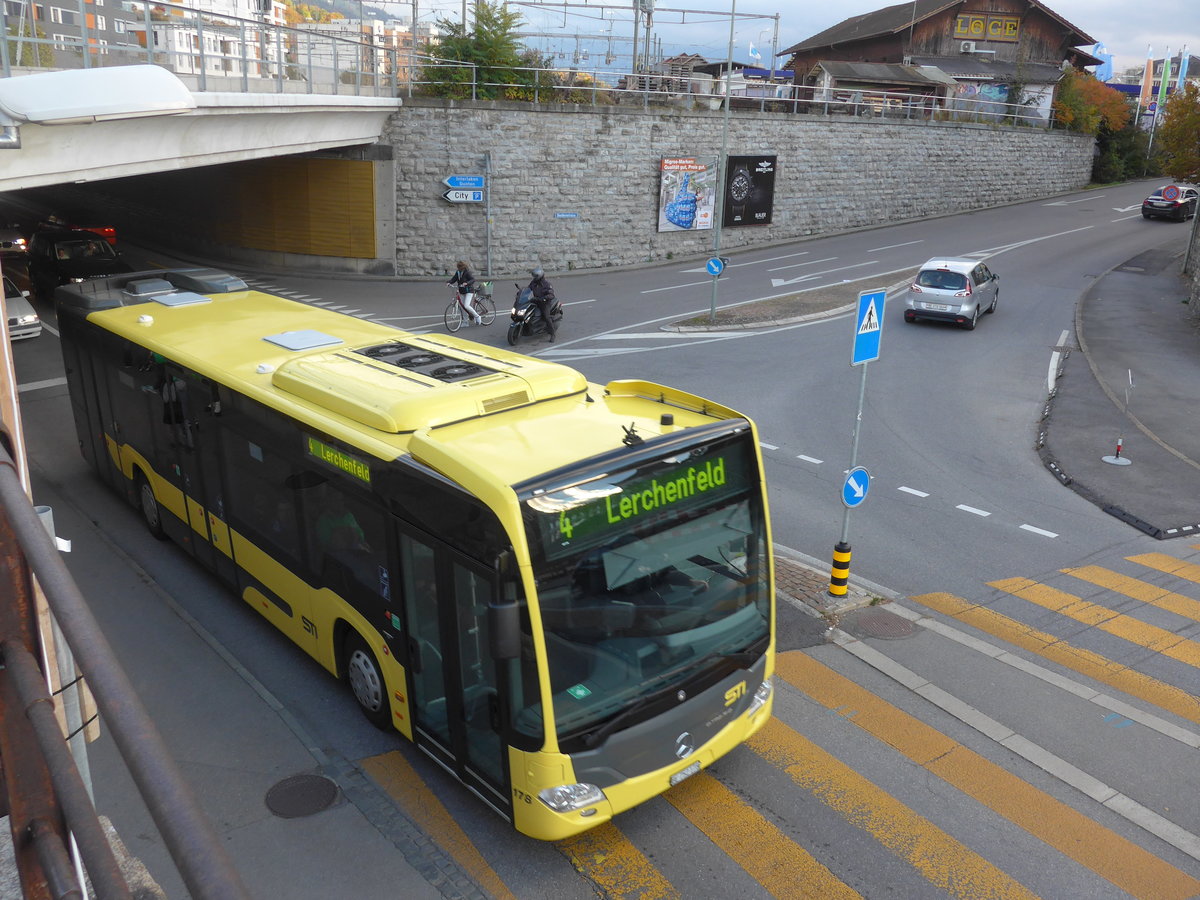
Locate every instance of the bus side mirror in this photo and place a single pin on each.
(504, 630)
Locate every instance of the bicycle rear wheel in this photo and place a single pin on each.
(486, 307)
(453, 317)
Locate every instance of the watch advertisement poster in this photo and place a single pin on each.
(749, 190)
(687, 193)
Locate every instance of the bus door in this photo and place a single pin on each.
(453, 685)
(187, 458)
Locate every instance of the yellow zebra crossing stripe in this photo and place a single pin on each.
(1168, 564)
(940, 859)
(1056, 824)
(775, 861)
(1138, 590)
(401, 781)
(615, 866)
(1153, 638)
(1093, 665)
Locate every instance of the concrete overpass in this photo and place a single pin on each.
(97, 124)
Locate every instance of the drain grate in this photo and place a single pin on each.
(873, 622)
(301, 795)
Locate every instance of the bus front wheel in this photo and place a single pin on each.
(151, 514)
(366, 681)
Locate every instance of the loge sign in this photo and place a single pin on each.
(987, 27)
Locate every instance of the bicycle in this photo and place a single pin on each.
(484, 305)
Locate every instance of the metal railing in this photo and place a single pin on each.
(209, 51)
(42, 791)
(216, 52)
(601, 87)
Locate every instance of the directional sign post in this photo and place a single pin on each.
(868, 329)
(465, 181)
(457, 196)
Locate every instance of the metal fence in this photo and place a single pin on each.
(209, 51)
(215, 52)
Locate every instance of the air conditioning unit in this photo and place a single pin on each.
(966, 47)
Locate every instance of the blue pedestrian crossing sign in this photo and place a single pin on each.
(854, 490)
(868, 327)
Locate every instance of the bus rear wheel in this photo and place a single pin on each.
(148, 504)
(366, 681)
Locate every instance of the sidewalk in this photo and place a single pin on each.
(1133, 322)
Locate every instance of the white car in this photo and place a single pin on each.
(952, 290)
(23, 320)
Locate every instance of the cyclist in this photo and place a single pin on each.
(543, 296)
(465, 279)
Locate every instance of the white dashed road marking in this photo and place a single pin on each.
(1041, 531)
(973, 510)
(810, 459)
(912, 491)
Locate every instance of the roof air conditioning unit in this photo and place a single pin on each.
(966, 47)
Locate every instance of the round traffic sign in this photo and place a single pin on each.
(854, 490)
(1170, 192)
(715, 265)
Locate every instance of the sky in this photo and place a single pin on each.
(1124, 27)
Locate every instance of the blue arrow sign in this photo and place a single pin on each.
(854, 491)
(868, 327)
(464, 181)
(715, 265)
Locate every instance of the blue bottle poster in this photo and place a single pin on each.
(687, 193)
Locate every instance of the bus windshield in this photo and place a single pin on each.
(650, 580)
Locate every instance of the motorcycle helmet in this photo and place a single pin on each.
(537, 273)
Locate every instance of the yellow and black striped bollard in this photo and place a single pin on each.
(839, 576)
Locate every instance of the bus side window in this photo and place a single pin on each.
(261, 500)
(345, 541)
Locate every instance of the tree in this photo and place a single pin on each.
(493, 59)
(1086, 104)
(24, 52)
(1179, 135)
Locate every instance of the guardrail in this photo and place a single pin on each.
(602, 87)
(216, 52)
(209, 51)
(42, 791)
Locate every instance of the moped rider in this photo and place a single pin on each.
(542, 293)
(464, 277)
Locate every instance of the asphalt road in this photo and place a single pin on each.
(973, 737)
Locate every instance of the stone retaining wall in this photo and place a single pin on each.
(599, 168)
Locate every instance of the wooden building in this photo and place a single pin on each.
(1001, 54)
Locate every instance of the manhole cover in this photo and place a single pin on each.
(301, 795)
(876, 623)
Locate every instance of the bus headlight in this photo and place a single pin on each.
(568, 797)
(761, 696)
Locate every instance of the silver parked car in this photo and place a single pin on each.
(952, 290)
(23, 320)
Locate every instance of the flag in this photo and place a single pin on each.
(1183, 67)
(1166, 80)
(1147, 79)
(754, 54)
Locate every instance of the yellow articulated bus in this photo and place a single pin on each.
(561, 591)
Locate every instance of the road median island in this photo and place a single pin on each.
(783, 308)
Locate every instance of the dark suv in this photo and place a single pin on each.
(63, 256)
